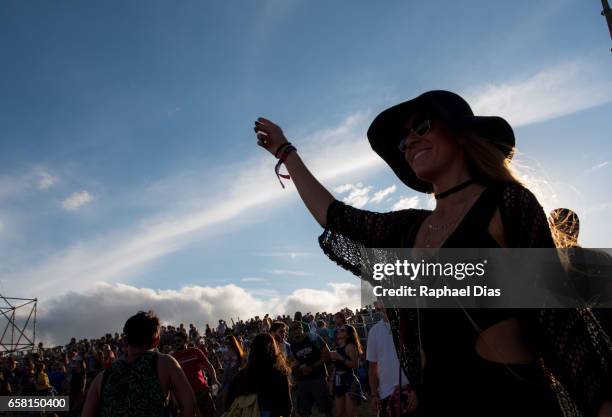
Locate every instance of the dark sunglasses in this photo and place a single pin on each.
(419, 129)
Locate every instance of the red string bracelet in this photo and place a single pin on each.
(285, 151)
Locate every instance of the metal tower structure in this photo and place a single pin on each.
(19, 332)
(607, 13)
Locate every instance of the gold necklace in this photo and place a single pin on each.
(431, 228)
(447, 227)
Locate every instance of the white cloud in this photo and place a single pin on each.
(406, 203)
(380, 195)
(76, 200)
(430, 202)
(195, 304)
(359, 195)
(253, 279)
(292, 255)
(555, 91)
(341, 189)
(45, 180)
(310, 300)
(288, 272)
(598, 166)
(22, 183)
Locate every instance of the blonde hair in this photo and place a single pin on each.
(564, 225)
(486, 161)
(488, 164)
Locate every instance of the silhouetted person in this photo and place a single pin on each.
(140, 384)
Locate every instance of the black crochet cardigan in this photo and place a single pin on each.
(574, 350)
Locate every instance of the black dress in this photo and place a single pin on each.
(456, 380)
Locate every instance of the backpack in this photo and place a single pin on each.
(244, 406)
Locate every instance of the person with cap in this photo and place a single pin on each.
(477, 362)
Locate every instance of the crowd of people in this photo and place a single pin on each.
(300, 365)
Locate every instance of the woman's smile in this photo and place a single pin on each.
(420, 153)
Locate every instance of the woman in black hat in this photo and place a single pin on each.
(477, 362)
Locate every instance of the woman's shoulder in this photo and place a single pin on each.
(515, 195)
(523, 218)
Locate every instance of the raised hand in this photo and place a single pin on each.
(269, 135)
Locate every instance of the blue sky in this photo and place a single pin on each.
(128, 157)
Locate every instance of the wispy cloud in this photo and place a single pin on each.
(118, 254)
(46, 180)
(253, 279)
(359, 195)
(555, 91)
(406, 203)
(76, 200)
(288, 272)
(292, 255)
(19, 184)
(598, 166)
(382, 194)
(595, 208)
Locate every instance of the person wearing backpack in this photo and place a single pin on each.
(261, 388)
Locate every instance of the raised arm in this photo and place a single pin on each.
(316, 197)
(347, 229)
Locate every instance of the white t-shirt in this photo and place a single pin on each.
(382, 351)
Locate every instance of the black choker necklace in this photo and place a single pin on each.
(455, 189)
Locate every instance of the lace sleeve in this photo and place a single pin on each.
(577, 358)
(524, 220)
(350, 229)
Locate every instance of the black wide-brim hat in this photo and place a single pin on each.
(388, 128)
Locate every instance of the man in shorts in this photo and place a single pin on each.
(310, 353)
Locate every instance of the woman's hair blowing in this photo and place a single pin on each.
(486, 161)
(488, 164)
